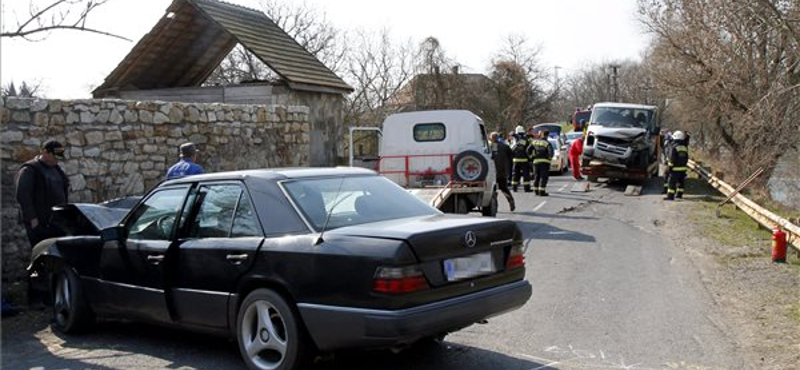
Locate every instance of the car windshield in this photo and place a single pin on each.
(552, 128)
(353, 200)
(555, 144)
(622, 117)
(574, 135)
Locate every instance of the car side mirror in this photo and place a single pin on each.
(113, 233)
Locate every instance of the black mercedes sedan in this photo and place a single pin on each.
(288, 262)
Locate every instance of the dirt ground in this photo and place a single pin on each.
(759, 299)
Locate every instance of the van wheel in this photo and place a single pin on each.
(470, 166)
(491, 209)
(462, 206)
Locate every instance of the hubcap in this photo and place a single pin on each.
(264, 335)
(62, 304)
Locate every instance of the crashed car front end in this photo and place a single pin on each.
(627, 148)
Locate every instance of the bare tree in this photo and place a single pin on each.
(57, 15)
(377, 69)
(25, 90)
(522, 81)
(734, 70)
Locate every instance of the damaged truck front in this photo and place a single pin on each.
(622, 142)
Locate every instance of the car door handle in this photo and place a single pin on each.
(155, 259)
(237, 258)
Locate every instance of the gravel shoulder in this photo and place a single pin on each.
(759, 300)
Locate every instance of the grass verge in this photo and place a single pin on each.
(733, 228)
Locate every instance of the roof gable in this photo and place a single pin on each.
(193, 38)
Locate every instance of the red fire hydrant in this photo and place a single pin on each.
(778, 245)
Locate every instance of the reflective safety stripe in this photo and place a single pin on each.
(520, 160)
(666, 184)
(514, 183)
(680, 169)
(680, 190)
(681, 148)
(671, 191)
(540, 160)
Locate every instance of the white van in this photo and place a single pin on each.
(442, 156)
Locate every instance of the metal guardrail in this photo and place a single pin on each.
(755, 211)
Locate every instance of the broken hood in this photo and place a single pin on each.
(89, 219)
(626, 133)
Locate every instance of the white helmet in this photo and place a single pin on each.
(520, 129)
(678, 135)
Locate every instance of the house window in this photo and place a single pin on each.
(429, 132)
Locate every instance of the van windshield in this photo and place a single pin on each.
(623, 117)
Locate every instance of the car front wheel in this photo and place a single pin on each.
(269, 333)
(71, 313)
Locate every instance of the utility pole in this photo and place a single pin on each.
(615, 69)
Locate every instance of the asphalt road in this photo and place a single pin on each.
(610, 291)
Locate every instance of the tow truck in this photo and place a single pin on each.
(442, 156)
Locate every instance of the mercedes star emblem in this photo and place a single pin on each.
(470, 239)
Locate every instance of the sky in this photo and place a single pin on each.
(571, 34)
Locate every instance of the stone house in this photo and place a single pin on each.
(177, 56)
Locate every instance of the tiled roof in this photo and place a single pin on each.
(193, 38)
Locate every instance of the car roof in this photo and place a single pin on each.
(623, 105)
(275, 174)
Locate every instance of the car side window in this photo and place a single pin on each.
(225, 211)
(154, 219)
(245, 222)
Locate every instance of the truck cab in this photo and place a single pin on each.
(442, 156)
(621, 142)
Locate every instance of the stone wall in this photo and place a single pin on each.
(117, 148)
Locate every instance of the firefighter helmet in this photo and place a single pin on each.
(520, 129)
(678, 135)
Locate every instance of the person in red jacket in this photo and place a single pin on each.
(575, 151)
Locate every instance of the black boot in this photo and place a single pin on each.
(511, 204)
(543, 193)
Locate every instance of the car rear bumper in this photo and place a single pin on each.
(334, 327)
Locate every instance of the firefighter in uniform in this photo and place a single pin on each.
(522, 169)
(678, 159)
(541, 154)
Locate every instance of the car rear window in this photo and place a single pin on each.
(351, 201)
(429, 132)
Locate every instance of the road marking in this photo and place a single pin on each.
(558, 232)
(540, 206)
(562, 188)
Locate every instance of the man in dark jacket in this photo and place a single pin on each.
(41, 184)
(502, 156)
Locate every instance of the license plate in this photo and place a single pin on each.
(467, 267)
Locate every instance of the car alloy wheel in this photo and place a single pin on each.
(71, 314)
(268, 332)
(62, 306)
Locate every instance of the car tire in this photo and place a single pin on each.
(491, 210)
(71, 312)
(269, 333)
(470, 166)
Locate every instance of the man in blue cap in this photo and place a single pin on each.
(187, 164)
